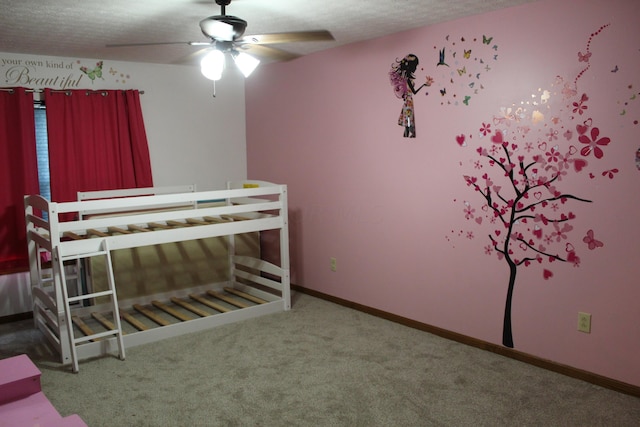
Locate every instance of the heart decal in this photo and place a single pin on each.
(582, 129)
(578, 164)
(537, 231)
(497, 138)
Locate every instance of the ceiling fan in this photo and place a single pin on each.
(225, 35)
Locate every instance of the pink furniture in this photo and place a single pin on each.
(22, 402)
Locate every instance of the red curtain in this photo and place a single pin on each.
(97, 141)
(18, 174)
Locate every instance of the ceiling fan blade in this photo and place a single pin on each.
(268, 52)
(289, 37)
(146, 44)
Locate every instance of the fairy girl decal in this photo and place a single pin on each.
(402, 78)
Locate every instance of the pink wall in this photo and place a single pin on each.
(391, 209)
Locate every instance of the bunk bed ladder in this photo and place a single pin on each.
(82, 297)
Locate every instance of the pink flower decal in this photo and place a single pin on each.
(553, 155)
(579, 107)
(593, 143)
(485, 129)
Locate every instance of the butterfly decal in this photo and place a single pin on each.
(486, 40)
(441, 58)
(466, 100)
(462, 71)
(443, 91)
(93, 73)
(584, 57)
(467, 54)
(615, 69)
(591, 241)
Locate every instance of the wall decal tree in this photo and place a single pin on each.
(527, 154)
(529, 210)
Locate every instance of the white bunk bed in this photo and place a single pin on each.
(77, 320)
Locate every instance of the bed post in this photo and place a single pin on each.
(58, 283)
(284, 249)
(32, 250)
(231, 246)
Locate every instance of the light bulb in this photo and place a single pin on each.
(212, 65)
(246, 63)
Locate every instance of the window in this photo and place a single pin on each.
(42, 151)
(118, 158)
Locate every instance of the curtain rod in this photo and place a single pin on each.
(67, 92)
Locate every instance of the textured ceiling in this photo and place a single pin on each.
(81, 29)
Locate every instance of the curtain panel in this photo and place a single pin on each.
(18, 174)
(97, 141)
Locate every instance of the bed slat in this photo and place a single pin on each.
(171, 311)
(158, 225)
(83, 327)
(196, 221)
(227, 299)
(214, 219)
(72, 235)
(133, 321)
(103, 320)
(189, 307)
(151, 315)
(245, 295)
(210, 304)
(113, 229)
(134, 227)
(98, 233)
(178, 223)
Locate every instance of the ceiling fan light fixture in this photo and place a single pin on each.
(215, 28)
(246, 63)
(212, 65)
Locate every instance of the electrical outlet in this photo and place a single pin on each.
(333, 264)
(584, 322)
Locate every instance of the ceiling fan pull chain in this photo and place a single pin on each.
(214, 88)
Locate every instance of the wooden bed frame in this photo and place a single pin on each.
(122, 219)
